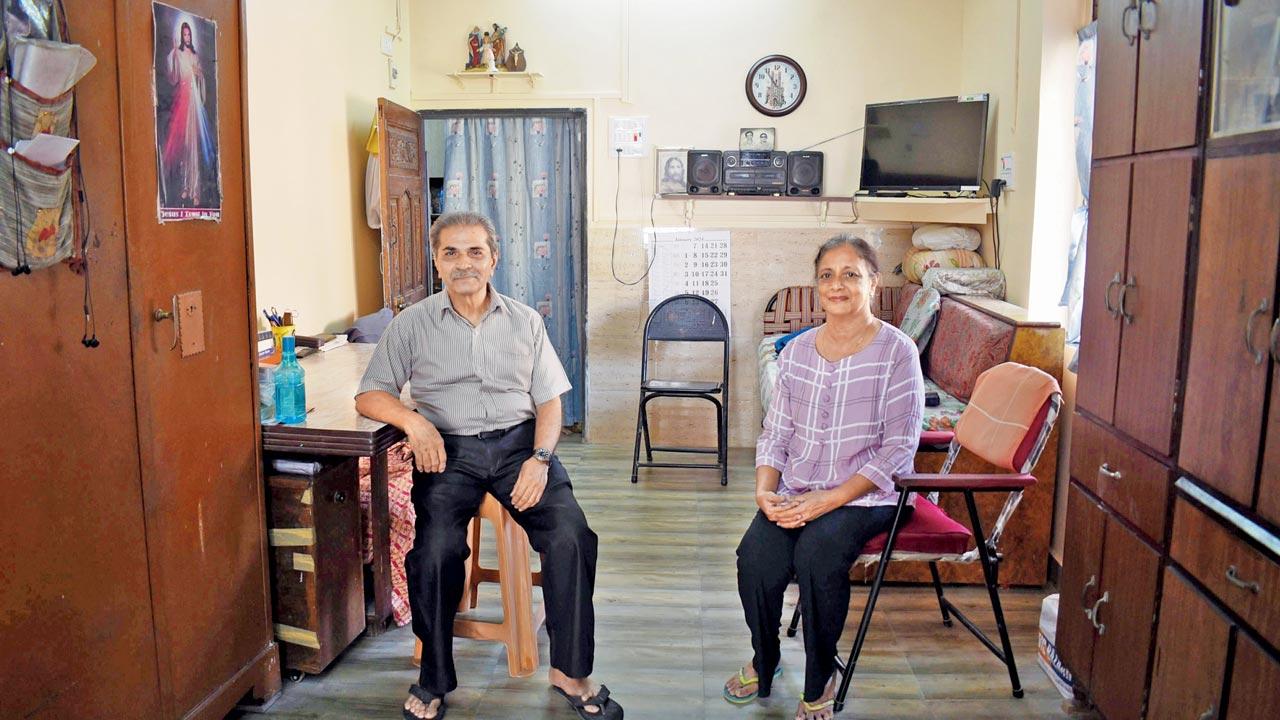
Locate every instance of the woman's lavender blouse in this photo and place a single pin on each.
(858, 416)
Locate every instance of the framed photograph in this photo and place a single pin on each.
(671, 171)
(756, 139)
(1246, 70)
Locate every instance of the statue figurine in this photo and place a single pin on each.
(499, 38)
(515, 59)
(486, 54)
(473, 48)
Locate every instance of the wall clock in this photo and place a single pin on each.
(776, 85)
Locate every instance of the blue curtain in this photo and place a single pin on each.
(524, 173)
(1086, 72)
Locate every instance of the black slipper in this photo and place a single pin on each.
(609, 709)
(426, 698)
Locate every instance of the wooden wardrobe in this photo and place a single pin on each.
(133, 574)
(1170, 590)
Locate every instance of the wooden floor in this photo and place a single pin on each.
(669, 627)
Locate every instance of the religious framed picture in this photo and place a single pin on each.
(672, 177)
(185, 79)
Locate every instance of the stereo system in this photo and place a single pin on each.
(754, 172)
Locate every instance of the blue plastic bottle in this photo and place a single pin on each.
(291, 388)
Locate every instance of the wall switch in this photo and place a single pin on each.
(388, 45)
(629, 135)
(1005, 171)
(393, 74)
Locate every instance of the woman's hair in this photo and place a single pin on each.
(849, 240)
(186, 37)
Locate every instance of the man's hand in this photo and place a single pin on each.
(426, 443)
(772, 504)
(530, 485)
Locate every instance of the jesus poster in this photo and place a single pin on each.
(186, 96)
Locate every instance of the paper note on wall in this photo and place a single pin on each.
(689, 261)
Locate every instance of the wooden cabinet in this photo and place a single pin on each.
(1148, 75)
(1134, 284)
(1112, 572)
(1255, 679)
(1234, 308)
(1129, 481)
(1191, 638)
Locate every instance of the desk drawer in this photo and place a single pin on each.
(1243, 578)
(1129, 481)
(318, 590)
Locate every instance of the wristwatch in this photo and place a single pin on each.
(542, 455)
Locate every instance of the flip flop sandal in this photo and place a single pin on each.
(814, 707)
(745, 682)
(608, 709)
(426, 698)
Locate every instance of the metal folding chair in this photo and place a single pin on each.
(1005, 433)
(684, 318)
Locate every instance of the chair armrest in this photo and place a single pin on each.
(936, 437)
(929, 482)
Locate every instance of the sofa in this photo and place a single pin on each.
(971, 335)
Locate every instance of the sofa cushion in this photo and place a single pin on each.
(920, 317)
(905, 294)
(929, 530)
(965, 343)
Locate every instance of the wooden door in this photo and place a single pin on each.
(1269, 483)
(1152, 298)
(76, 635)
(1227, 370)
(402, 166)
(1255, 677)
(198, 415)
(1125, 616)
(1117, 76)
(1103, 278)
(1081, 575)
(1191, 654)
(1169, 82)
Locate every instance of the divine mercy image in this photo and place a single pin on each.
(186, 87)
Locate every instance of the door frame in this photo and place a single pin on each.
(579, 114)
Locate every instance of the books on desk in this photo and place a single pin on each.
(322, 342)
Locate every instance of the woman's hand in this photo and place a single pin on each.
(807, 507)
(772, 504)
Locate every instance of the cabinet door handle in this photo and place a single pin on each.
(1084, 593)
(1112, 310)
(1105, 471)
(1275, 340)
(1209, 714)
(1147, 25)
(1258, 355)
(1234, 578)
(1126, 19)
(1124, 299)
(1097, 607)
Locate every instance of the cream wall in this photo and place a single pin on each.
(669, 61)
(315, 71)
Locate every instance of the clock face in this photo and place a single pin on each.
(776, 85)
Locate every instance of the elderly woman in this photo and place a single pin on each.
(844, 420)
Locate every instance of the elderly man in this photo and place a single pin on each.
(486, 384)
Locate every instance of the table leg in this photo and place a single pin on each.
(380, 503)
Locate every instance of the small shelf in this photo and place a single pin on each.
(965, 211)
(462, 77)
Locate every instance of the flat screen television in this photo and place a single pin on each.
(933, 144)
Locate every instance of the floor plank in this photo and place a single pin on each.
(669, 627)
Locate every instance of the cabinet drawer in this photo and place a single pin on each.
(1255, 676)
(1244, 579)
(1129, 481)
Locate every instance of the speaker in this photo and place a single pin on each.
(804, 172)
(705, 172)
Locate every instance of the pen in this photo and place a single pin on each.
(270, 319)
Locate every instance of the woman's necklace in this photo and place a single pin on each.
(835, 350)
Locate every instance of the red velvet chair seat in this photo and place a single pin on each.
(930, 530)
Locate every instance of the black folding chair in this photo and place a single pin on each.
(684, 318)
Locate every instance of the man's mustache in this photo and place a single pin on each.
(460, 274)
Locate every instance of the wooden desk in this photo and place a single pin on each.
(335, 428)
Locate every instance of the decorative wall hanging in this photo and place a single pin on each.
(189, 166)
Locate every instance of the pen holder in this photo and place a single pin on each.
(277, 337)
